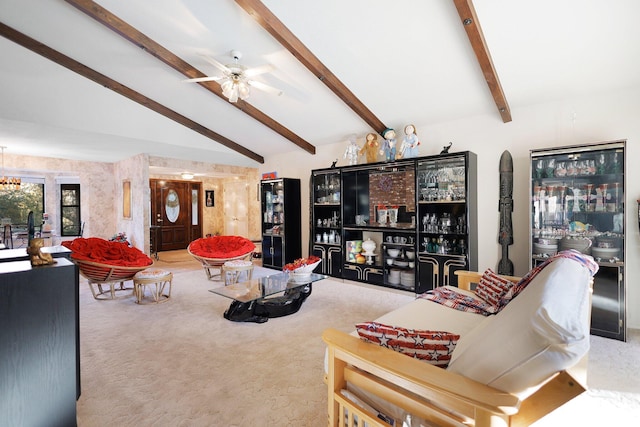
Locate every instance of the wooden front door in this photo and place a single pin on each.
(176, 209)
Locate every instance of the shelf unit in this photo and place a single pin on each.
(281, 225)
(447, 208)
(383, 202)
(326, 220)
(577, 201)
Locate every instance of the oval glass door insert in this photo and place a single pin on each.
(172, 206)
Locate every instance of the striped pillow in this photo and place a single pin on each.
(434, 347)
(492, 287)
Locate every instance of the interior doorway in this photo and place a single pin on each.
(177, 210)
(236, 209)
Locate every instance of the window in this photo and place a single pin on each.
(70, 220)
(16, 204)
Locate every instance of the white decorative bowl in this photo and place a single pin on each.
(605, 253)
(393, 252)
(303, 273)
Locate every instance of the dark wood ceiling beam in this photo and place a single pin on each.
(130, 33)
(75, 66)
(472, 26)
(286, 38)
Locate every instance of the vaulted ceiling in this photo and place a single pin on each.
(104, 80)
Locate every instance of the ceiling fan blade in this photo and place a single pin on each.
(204, 79)
(264, 87)
(258, 70)
(216, 64)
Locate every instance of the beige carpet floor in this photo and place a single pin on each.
(182, 364)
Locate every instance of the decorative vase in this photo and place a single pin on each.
(393, 216)
(369, 246)
(382, 216)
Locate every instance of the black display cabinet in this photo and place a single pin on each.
(281, 222)
(578, 202)
(326, 220)
(447, 212)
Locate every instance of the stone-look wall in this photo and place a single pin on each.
(135, 170)
(101, 192)
(214, 218)
(97, 190)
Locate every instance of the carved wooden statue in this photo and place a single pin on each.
(505, 237)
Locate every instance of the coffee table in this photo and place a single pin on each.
(258, 300)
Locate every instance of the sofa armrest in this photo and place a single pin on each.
(432, 393)
(428, 391)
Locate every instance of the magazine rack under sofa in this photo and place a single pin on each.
(509, 369)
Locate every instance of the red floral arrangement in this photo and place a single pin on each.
(221, 246)
(300, 262)
(107, 252)
(382, 206)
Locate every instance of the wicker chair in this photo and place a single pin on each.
(213, 252)
(99, 274)
(104, 262)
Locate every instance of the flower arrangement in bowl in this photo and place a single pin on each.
(302, 268)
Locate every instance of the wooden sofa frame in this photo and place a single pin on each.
(432, 393)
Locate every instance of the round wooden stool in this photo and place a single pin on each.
(231, 271)
(153, 276)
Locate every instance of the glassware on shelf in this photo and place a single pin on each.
(382, 216)
(393, 215)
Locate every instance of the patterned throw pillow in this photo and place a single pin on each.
(492, 287)
(434, 347)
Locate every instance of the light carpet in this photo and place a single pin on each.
(182, 364)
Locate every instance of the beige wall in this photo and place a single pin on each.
(597, 118)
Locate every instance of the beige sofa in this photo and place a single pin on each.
(508, 369)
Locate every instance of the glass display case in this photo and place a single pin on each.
(281, 225)
(578, 202)
(326, 220)
(380, 211)
(447, 201)
(376, 215)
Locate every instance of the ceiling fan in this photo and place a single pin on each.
(236, 78)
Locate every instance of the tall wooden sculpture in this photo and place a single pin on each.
(505, 237)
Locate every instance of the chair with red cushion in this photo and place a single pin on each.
(214, 251)
(107, 262)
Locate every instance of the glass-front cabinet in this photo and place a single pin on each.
(367, 221)
(326, 220)
(447, 200)
(578, 202)
(379, 224)
(281, 226)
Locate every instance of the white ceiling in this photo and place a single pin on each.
(408, 61)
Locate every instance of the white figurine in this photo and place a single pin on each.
(410, 143)
(352, 150)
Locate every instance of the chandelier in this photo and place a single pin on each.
(8, 183)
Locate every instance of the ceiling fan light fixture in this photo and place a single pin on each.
(234, 87)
